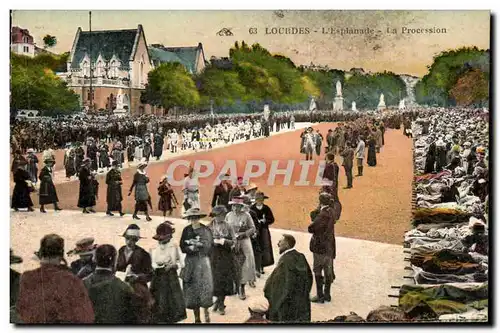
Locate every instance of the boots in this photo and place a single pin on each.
(320, 297)
(242, 292)
(328, 296)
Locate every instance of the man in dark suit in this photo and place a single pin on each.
(348, 155)
(287, 288)
(322, 246)
(113, 300)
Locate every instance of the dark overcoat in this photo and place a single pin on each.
(265, 218)
(21, 195)
(113, 300)
(86, 196)
(287, 289)
(140, 261)
(114, 190)
(47, 191)
(322, 229)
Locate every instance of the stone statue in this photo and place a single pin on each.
(353, 108)
(382, 101)
(339, 88)
(312, 105)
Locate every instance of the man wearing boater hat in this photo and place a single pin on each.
(63, 298)
(84, 266)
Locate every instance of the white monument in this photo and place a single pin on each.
(266, 112)
(338, 104)
(381, 103)
(312, 105)
(353, 107)
(402, 105)
(119, 104)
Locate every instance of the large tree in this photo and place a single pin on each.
(436, 86)
(471, 88)
(222, 86)
(38, 88)
(170, 85)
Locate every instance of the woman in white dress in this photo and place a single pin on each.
(191, 191)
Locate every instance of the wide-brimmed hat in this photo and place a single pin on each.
(225, 177)
(30, 150)
(218, 210)
(163, 231)
(132, 230)
(309, 129)
(15, 259)
(192, 213)
(237, 201)
(83, 247)
(251, 186)
(260, 196)
(142, 165)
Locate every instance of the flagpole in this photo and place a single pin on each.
(91, 108)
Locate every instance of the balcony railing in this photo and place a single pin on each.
(78, 81)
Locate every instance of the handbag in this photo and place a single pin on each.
(31, 187)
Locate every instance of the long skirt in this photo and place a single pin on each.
(223, 270)
(198, 283)
(372, 156)
(247, 267)
(169, 299)
(21, 197)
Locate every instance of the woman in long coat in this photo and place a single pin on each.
(169, 304)
(265, 218)
(142, 197)
(197, 243)
(168, 200)
(114, 191)
(372, 152)
(32, 166)
(222, 260)
(222, 192)
(244, 228)
(158, 145)
(21, 195)
(86, 198)
(47, 192)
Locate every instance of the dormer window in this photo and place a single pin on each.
(100, 71)
(85, 68)
(26, 39)
(114, 67)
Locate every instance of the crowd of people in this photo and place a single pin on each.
(225, 256)
(449, 245)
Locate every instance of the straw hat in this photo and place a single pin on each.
(83, 247)
(237, 201)
(132, 230)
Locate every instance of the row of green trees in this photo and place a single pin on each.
(456, 77)
(34, 86)
(256, 77)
